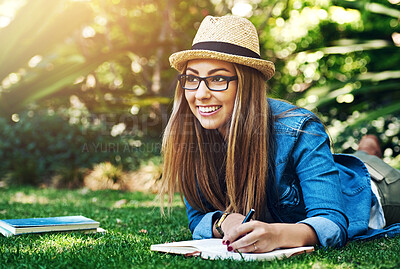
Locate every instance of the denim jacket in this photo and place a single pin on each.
(329, 192)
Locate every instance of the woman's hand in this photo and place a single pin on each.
(230, 223)
(258, 236)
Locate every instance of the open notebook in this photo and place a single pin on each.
(214, 249)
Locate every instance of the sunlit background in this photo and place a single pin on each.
(86, 86)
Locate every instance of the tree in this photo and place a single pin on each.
(338, 58)
(112, 55)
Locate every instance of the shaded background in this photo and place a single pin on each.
(86, 87)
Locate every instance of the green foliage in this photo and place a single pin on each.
(43, 147)
(114, 54)
(36, 31)
(109, 171)
(337, 58)
(133, 227)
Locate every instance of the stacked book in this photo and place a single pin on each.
(10, 227)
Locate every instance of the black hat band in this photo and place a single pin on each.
(225, 48)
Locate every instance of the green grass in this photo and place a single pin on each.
(133, 223)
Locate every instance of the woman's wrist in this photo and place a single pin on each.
(296, 235)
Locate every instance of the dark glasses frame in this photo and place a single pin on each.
(183, 77)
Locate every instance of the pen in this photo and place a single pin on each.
(249, 215)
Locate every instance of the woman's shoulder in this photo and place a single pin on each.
(280, 106)
(288, 115)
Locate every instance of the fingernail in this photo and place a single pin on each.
(228, 242)
(230, 248)
(224, 242)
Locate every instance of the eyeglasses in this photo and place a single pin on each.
(214, 83)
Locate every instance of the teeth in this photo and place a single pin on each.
(208, 109)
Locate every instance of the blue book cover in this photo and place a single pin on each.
(37, 225)
(34, 222)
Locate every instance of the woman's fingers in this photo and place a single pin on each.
(242, 236)
(250, 248)
(256, 247)
(252, 237)
(237, 232)
(231, 223)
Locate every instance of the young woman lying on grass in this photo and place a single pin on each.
(228, 148)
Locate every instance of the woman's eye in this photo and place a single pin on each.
(192, 78)
(218, 79)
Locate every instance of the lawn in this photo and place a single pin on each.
(133, 222)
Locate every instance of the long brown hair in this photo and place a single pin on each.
(193, 156)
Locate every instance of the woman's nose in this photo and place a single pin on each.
(202, 92)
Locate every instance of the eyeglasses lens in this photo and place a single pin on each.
(213, 83)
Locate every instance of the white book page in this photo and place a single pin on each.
(191, 246)
(214, 249)
(266, 256)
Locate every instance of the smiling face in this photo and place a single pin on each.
(213, 109)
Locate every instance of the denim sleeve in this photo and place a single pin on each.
(320, 184)
(328, 232)
(200, 223)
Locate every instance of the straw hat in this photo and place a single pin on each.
(228, 38)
